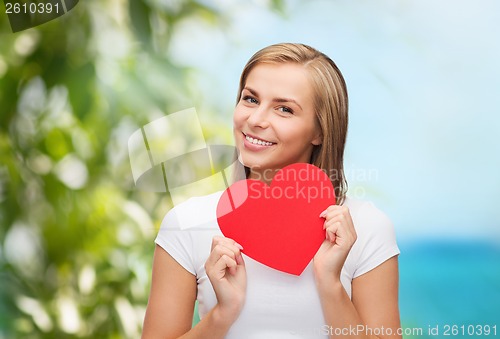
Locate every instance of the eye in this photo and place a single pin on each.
(285, 109)
(250, 99)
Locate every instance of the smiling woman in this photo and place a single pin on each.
(317, 75)
(291, 108)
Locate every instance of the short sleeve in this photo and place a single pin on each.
(376, 240)
(177, 241)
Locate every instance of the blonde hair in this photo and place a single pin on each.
(330, 104)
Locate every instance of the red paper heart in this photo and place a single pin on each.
(278, 225)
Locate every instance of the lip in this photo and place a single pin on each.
(253, 147)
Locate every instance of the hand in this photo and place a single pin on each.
(226, 271)
(340, 236)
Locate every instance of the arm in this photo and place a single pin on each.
(170, 307)
(169, 313)
(374, 304)
(375, 296)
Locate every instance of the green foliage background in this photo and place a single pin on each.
(76, 239)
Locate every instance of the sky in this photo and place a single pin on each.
(423, 85)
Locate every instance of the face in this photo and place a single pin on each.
(274, 120)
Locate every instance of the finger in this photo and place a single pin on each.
(235, 248)
(217, 243)
(328, 209)
(342, 234)
(228, 249)
(342, 218)
(335, 214)
(232, 247)
(331, 236)
(217, 252)
(224, 263)
(335, 209)
(216, 240)
(337, 230)
(330, 219)
(345, 221)
(232, 242)
(340, 207)
(332, 208)
(239, 260)
(332, 222)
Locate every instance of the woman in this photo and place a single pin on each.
(291, 107)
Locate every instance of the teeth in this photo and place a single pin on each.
(257, 141)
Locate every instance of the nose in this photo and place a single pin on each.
(258, 117)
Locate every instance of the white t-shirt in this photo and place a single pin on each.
(278, 305)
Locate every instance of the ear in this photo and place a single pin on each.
(318, 140)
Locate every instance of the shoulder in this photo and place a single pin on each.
(178, 236)
(376, 238)
(366, 215)
(194, 213)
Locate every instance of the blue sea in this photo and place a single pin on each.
(450, 286)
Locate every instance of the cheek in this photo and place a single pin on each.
(239, 116)
(295, 131)
(297, 135)
(236, 119)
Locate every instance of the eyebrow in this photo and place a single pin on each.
(254, 92)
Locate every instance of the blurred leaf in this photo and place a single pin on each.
(139, 15)
(96, 74)
(279, 6)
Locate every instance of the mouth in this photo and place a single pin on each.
(256, 141)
